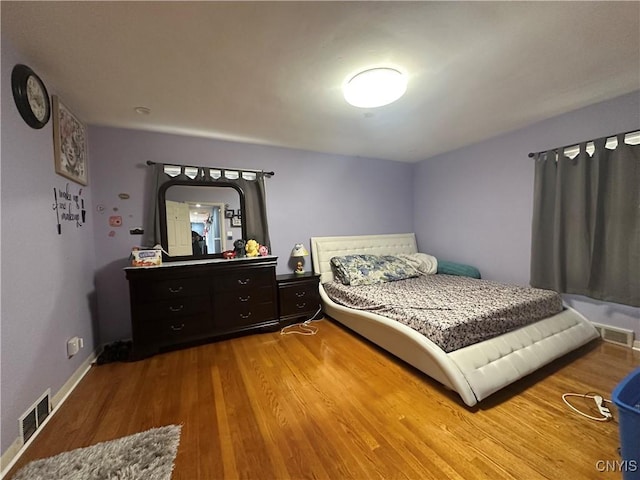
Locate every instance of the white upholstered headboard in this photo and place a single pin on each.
(324, 248)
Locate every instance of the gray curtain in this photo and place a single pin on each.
(156, 177)
(255, 203)
(586, 223)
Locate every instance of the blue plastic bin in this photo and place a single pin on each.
(626, 397)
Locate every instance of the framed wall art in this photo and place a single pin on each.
(69, 144)
(236, 222)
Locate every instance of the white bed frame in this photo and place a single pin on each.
(474, 372)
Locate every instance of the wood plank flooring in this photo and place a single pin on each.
(333, 406)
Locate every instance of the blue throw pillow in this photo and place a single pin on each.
(452, 268)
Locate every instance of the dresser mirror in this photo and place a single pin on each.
(200, 219)
(199, 212)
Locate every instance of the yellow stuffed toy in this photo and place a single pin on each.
(252, 248)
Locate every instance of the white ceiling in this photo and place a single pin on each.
(271, 73)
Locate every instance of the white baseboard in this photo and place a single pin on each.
(16, 449)
(636, 345)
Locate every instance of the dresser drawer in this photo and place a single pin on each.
(245, 280)
(235, 315)
(170, 331)
(307, 305)
(306, 292)
(171, 288)
(174, 308)
(231, 298)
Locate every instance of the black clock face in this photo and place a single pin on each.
(31, 96)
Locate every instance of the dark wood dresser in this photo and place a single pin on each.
(184, 302)
(298, 297)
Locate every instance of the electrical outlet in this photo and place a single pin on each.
(74, 345)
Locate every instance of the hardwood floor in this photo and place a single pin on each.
(334, 406)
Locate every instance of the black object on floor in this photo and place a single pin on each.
(115, 352)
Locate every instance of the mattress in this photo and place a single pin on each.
(451, 311)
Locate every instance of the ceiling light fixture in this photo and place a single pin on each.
(143, 110)
(375, 87)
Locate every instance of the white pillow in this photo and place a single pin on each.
(423, 263)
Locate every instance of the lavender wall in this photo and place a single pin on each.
(475, 205)
(47, 279)
(311, 194)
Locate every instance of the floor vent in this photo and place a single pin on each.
(619, 336)
(33, 418)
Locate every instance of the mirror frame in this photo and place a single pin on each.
(162, 211)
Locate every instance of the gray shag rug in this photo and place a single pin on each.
(144, 456)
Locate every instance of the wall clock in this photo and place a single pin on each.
(31, 96)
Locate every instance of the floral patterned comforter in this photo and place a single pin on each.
(451, 311)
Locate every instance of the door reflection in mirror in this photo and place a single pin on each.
(195, 223)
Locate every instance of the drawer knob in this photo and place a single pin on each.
(244, 299)
(300, 306)
(244, 282)
(177, 328)
(300, 294)
(245, 315)
(176, 309)
(175, 289)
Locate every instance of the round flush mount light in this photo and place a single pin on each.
(142, 110)
(375, 87)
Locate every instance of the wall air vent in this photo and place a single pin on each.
(33, 418)
(28, 425)
(619, 336)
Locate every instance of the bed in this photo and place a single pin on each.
(474, 371)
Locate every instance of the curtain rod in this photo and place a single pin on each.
(149, 162)
(532, 154)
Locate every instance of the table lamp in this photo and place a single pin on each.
(299, 252)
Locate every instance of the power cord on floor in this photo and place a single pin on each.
(305, 328)
(600, 404)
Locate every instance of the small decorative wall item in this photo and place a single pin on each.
(124, 196)
(55, 207)
(228, 214)
(236, 222)
(69, 207)
(115, 221)
(239, 213)
(69, 144)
